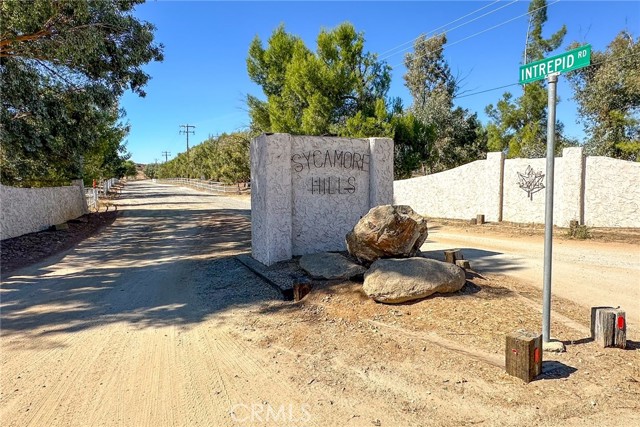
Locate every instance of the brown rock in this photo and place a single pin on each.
(387, 232)
(394, 281)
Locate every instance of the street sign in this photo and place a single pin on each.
(570, 60)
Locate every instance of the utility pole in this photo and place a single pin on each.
(166, 155)
(185, 130)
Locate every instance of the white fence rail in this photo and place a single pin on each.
(108, 184)
(101, 189)
(91, 194)
(212, 186)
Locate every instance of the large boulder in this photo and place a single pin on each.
(387, 232)
(395, 281)
(329, 265)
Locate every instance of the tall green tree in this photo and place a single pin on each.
(233, 153)
(457, 135)
(128, 169)
(413, 144)
(107, 154)
(608, 97)
(151, 170)
(317, 92)
(63, 66)
(518, 126)
(222, 158)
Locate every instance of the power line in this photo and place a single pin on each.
(486, 90)
(166, 155)
(451, 29)
(433, 31)
(483, 31)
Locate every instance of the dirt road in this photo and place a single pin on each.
(131, 327)
(154, 323)
(590, 273)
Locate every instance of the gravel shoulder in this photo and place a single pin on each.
(153, 322)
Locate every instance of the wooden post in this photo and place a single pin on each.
(523, 355)
(609, 326)
(463, 263)
(480, 219)
(593, 320)
(301, 290)
(452, 255)
(473, 221)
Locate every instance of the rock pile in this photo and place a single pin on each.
(388, 239)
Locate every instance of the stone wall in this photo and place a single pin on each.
(308, 192)
(27, 210)
(596, 191)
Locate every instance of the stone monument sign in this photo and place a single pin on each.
(307, 192)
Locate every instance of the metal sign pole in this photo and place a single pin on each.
(548, 208)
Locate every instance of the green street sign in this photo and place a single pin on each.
(570, 60)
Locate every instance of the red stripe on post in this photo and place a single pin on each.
(536, 355)
(620, 322)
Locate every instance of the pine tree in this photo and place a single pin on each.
(518, 126)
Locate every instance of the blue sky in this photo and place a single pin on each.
(203, 80)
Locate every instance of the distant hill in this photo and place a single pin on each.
(140, 171)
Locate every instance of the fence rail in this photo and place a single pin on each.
(108, 184)
(101, 189)
(91, 194)
(212, 186)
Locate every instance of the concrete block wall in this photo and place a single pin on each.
(596, 191)
(27, 210)
(308, 192)
(459, 193)
(611, 193)
(520, 205)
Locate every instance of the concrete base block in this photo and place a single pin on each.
(553, 346)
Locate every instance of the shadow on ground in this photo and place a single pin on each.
(487, 261)
(553, 370)
(150, 268)
(631, 345)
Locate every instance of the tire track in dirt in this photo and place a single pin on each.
(491, 359)
(46, 403)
